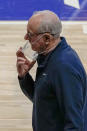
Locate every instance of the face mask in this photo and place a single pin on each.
(26, 49)
(29, 53)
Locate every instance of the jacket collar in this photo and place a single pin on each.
(42, 60)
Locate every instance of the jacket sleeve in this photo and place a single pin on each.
(27, 86)
(69, 92)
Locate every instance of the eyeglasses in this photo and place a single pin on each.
(31, 35)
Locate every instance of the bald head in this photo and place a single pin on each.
(46, 21)
(46, 14)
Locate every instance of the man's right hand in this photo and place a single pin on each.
(23, 64)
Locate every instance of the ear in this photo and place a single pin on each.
(47, 38)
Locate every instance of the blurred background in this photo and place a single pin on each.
(15, 108)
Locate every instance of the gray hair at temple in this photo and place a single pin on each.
(50, 23)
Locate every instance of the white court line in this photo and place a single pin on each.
(72, 3)
(74, 22)
(14, 119)
(25, 22)
(15, 101)
(84, 29)
(13, 22)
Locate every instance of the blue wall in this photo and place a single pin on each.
(23, 9)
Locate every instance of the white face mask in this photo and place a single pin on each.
(34, 54)
(28, 52)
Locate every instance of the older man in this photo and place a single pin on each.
(59, 90)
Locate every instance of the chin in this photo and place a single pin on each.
(33, 48)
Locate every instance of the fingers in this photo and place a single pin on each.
(23, 64)
(21, 59)
(19, 52)
(20, 48)
(20, 63)
(22, 67)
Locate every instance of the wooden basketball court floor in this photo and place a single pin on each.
(15, 108)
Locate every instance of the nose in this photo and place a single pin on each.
(26, 37)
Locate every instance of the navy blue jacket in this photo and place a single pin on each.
(58, 92)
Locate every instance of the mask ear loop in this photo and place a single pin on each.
(35, 55)
(37, 40)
